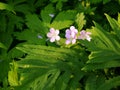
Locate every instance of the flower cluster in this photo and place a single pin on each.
(71, 35)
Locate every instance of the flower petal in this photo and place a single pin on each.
(73, 41)
(72, 28)
(49, 35)
(57, 38)
(52, 30)
(52, 39)
(57, 32)
(68, 42)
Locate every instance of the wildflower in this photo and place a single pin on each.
(85, 35)
(71, 35)
(53, 35)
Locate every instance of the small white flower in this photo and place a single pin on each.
(53, 35)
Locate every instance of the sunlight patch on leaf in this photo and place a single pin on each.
(61, 24)
(4, 6)
(80, 20)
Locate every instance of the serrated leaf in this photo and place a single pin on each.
(63, 20)
(103, 56)
(91, 83)
(65, 15)
(51, 81)
(46, 12)
(80, 20)
(35, 24)
(108, 41)
(45, 61)
(114, 24)
(109, 84)
(13, 78)
(93, 66)
(61, 24)
(62, 81)
(30, 37)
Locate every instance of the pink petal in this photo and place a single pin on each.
(88, 33)
(67, 36)
(73, 41)
(57, 32)
(49, 35)
(52, 30)
(67, 31)
(72, 28)
(67, 41)
(57, 38)
(52, 39)
(72, 34)
(81, 37)
(82, 32)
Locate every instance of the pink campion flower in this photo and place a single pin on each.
(71, 35)
(53, 35)
(85, 35)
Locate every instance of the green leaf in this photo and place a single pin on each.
(105, 38)
(62, 81)
(51, 81)
(61, 24)
(80, 20)
(93, 66)
(119, 18)
(63, 20)
(94, 81)
(2, 46)
(4, 66)
(114, 24)
(66, 15)
(3, 23)
(43, 66)
(4, 6)
(13, 76)
(46, 12)
(35, 24)
(104, 50)
(109, 84)
(5, 39)
(103, 56)
(91, 82)
(30, 36)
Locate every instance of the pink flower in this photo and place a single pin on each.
(71, 35)
(53, 35)
(85, 35)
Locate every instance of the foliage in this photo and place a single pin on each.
(29, 61)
